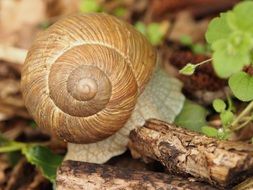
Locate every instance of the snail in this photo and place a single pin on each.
(87, 80)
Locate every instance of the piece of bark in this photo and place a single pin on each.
(221, 163)
(74, 175)
(245, 185)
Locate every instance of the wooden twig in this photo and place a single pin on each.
(12, 54)
(74, 175)
(222, 163)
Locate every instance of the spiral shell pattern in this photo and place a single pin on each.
(82, 76)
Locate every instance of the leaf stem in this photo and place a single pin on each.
(13, 146)
(241, 115)
(203, 62)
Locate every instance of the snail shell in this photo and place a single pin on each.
(82, 76)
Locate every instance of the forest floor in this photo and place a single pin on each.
(176, 28)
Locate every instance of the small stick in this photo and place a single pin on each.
(74, 175)
(223, 163)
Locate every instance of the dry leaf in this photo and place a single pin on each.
(185, 25)
(19, 17)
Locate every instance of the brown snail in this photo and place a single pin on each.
(81, 81)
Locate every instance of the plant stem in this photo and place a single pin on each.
(13, 146)
(242, 125)
(203, 62)
(241, 115)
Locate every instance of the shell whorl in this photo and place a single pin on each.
(82, 76)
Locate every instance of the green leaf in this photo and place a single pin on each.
(186, 40)
(88, 6)
(120, 11)
(241, 18)
(43, 158)
(40, 156)
(155, 33)
(192, 116)
(241, 85)
(219, 105)
(218, 29)
(14, 157)
(141, 27)
(209, 131)
(227, 60)
(223, 133)
(188, 69)
(33, 124)
(231, 39)
(198, 49)
(226, 117)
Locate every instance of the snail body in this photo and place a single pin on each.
(84, 80)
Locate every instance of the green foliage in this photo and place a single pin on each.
(241, 85)
(141, 27)
(189, 69)
(120, 11)
(89, 6)
(40, 156)
(195, 48)
(154, 32)
(209, 131)
(186, 40)
(231, 39)
(219, 105)
(32, 124)
(226, 117)
(44, 25)
(192, 116)
(199, 49)
(43, 158)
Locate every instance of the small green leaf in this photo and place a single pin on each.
(198, 49)
(44, 25)
(241, 85)
(43, 158)
(33, 124)
(223, 133)
(155, 33)
(218, 29)
(188, 69)
(241, 18)
(40, 156)
(209, 131)
(226, 117)
(192, 116)
(227, 60)
(120, 11)
(88, 6)
(219, 105)
(141, 27)
(186, 40)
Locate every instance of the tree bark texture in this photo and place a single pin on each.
(222, 163)
(74, 175)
